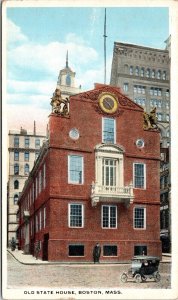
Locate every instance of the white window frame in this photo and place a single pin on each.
(106, 118)
(109, 227)
(69, 179)
(44, 217)
(109, 152)
(69, 215)
(144, 185)
(144, 225)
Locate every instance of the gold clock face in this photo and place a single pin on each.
(108, 103)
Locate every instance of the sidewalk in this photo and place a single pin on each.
(28, 259)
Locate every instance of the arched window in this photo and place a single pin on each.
(164, 75)
(126, 69)
(137, 71)
(16, 184)
(16, 169)
(148, 73)
(153, 74)
(16, 198)
(68, 80)
(142, 72)
(131, 70)
(159, 74)
(26, 169)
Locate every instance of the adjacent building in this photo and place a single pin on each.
(24, 148)
(96, 180)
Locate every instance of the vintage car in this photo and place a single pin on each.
(142, 268)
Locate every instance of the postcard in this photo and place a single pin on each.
(89, 139)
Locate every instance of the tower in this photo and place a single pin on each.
(66, 81)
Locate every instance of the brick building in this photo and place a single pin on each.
(95, 180)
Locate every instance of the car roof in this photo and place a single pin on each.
(145, 257)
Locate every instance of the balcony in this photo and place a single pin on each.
(111, 194)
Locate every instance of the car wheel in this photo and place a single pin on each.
(157, 276)
(124, 277)
(138, 278)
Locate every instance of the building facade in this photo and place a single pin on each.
(96, 180)
(24, 148)
(143, 74)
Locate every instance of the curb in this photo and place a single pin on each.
(75, 263)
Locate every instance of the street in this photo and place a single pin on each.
(75, 276)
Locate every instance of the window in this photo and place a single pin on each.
(167, 93)
(167, 104)
(27, 142)
(126, 87)
(16, 198)
(159, 116)
(16, 155)
(16, 142)
(36, 154)
(26, 156)
(167, 118)
(75, 215)
(164, 75)
(16, 184)
(68, 80)
(44, 217)
(159, 74)
(148, 73)
(109, 216)
(153, 74)
(140, 217)
(139, 89)
(142, 72)
(140, 250)
(26, 169)
(40, 220)
(109, 250)
(76, 250)
(44, 176)
(109, 172)
(75, 173)
(37, 143)
(139, 175)
(131, 70)
(36, 219)
(108, 130)
(16, 169)
(136, 71)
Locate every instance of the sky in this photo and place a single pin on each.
(38, 39)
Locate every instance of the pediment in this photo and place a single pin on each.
(110, 148)
(123, 101)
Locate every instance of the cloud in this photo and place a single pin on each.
(24, 116)
(14, 33)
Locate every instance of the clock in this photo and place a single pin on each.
(108, 103)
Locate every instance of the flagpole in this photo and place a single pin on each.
(105, 36)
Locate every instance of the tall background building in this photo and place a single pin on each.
(24, 148)
(143, 73)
